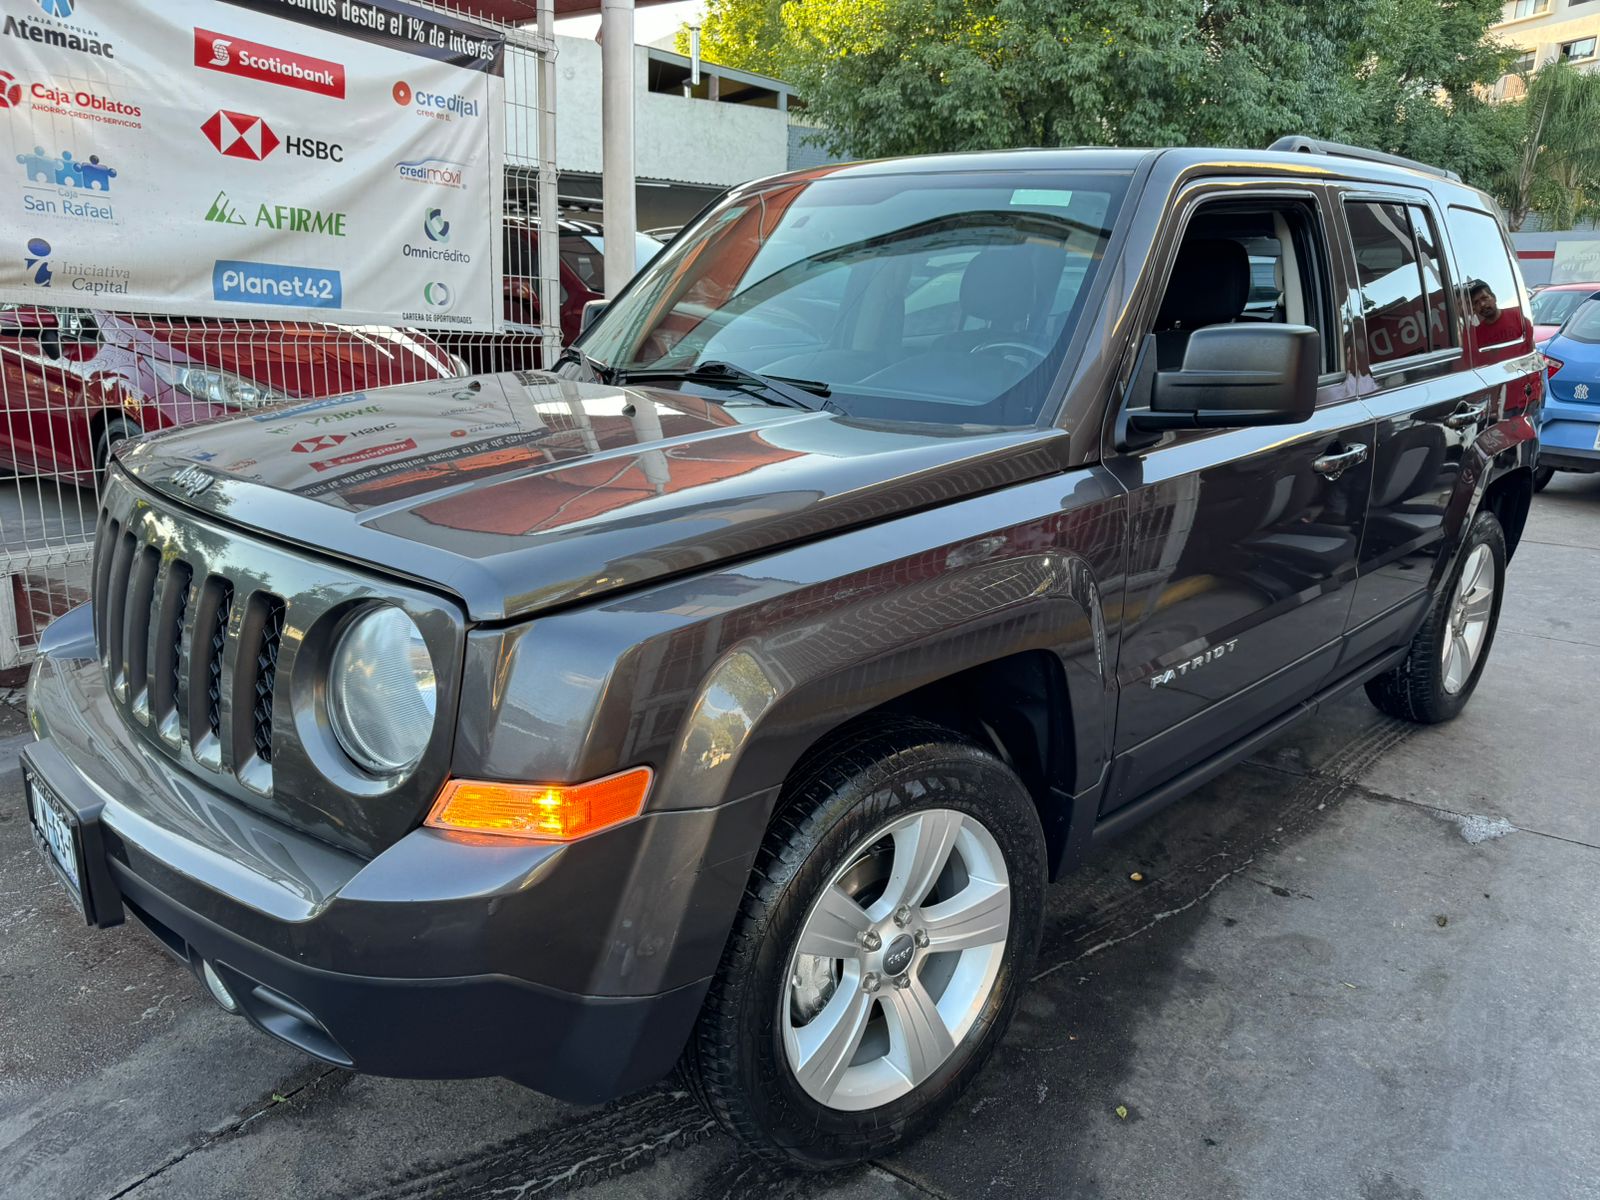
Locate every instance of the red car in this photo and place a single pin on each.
(75, 381)
(1554, 303)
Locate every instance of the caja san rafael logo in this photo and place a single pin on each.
(64, 171)
(239, 56)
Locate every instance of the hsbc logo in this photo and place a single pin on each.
(244, 135)
(268, 64)
(323, 441)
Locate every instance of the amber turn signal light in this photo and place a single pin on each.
(546, 812)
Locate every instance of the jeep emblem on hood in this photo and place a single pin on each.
(191, 481)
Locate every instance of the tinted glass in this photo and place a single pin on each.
(1441, 329)
(1488, 288)
(1584, 324)
(1552, 308)
(911, 297)
(1391, 280)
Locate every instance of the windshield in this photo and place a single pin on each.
(947, 298)
(1584, 324)
(1552, 308)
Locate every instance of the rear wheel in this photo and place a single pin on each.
(1542, 476)
(1447, 656)
(890, 923)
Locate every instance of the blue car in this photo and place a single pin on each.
(1569, 433)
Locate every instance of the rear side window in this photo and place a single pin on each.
(1499, 328)
(1401, 277)
(1584, 324)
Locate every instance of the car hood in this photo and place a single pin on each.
(521, 491)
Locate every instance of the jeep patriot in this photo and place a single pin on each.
(726, 698)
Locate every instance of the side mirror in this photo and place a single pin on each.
(1233, 375)
(591, 313)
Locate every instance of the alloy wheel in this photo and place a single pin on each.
(896, 960)
(1470, 611)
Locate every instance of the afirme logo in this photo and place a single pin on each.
(269, 64)
(238, 282)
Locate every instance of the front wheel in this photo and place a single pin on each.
(890, 923)
(1542, 476)
(1447, 656)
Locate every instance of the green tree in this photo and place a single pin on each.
(917, 76)
(1556, 170)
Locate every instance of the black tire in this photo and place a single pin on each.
(1542, 476)
(735, 1061)
(1415, 690)
(117, 429)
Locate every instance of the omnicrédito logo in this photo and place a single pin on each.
(237, 282)
(435, 226)
(269, 64)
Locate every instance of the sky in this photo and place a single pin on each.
(649, 24)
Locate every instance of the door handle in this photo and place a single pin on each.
(1336, 464)
(1464, 417)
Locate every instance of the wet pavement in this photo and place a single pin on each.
(1362, 964)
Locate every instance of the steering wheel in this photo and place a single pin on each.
(1034, 355)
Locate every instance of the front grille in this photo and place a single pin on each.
(266, 676)
(168, 631)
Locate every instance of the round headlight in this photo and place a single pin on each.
(382, 693)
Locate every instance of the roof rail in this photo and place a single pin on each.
(1295, 144)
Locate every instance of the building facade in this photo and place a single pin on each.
(1545, 30)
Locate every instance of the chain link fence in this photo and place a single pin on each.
(74, 381)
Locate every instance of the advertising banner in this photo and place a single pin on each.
(332, 160)
(1576, 262)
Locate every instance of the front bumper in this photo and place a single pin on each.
(445, 956)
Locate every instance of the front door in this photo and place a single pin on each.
(1243, 542)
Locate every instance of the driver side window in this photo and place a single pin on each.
(1248, 262)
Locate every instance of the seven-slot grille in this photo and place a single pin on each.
(177, 638)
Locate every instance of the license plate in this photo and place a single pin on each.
(1597, 438)
(57, 836)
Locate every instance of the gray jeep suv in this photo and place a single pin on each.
(728, 697)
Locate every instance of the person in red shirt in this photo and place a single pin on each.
(1495, 326)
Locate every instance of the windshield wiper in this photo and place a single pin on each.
(809, 394)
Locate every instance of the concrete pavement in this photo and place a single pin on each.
(1361, 965)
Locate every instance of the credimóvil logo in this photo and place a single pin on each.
(441, 172)
(38, 261)
(237, 282)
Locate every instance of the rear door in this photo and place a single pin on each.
(1243, 542)
(1416, 334)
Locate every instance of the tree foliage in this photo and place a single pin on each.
(1556, 170)
(917, 76)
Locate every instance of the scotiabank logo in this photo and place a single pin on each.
(243, 135)
(269, 64)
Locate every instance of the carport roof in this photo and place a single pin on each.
(516, 11)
